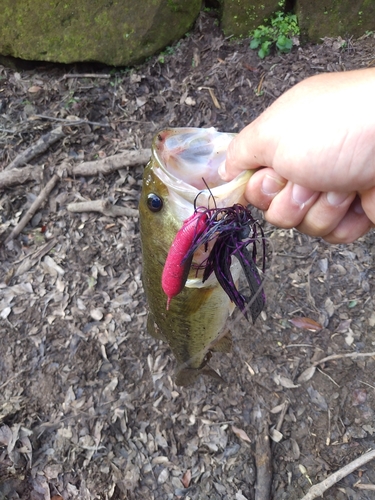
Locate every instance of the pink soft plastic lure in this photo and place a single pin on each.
(176, 268)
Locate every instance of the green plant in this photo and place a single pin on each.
(278, 31)
(168, 51)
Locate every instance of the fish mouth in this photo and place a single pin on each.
(188, 161)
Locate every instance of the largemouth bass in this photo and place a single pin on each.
(181, 185)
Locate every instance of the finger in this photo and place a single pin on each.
(368, 203)
(326, 213)
(290, 206)
(354, 225)
(245, 152)
(263, 186)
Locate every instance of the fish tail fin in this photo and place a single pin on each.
(187, 376)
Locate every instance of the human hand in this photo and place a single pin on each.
(318, 142)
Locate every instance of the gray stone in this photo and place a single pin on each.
(333, 18)
(239, 17)
(117, 32)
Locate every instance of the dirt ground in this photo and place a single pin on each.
(88, 408)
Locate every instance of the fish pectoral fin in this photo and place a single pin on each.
(224, 344)
(153, 329)
(187, 376)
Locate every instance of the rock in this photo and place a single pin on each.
(239, 17)
(329, 18)
(117, 33)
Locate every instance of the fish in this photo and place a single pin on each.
(183, 210)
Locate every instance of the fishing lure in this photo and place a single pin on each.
(231, 230)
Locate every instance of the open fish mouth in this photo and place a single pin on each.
(189, 161)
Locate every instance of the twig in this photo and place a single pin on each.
(263, 462)
(310, 371)
(113, 163)
(18, 176)
(364, 486)
(34, 207)
(42, 144)
(352, 355)
(84, 75)
(103, 206)
(318, 489)
(71, 122)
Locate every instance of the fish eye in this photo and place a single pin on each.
(154, 202)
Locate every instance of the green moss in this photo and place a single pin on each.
(119, 32)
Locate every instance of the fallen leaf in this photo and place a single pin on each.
(307, 374)
(186, 478)
(317, 398)
(34, 89)
(285, 382)
(306, 324)
(241, 434)
(276, 435)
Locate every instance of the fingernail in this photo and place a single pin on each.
(301, 195)
(335, 199)
(271, 185)
(357, 206)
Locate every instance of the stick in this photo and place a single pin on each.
(103, 206)
(352, 355)
(68, 121)
(39, 147)
(84, 75)
(318, 489)
(18, 176)
(113, 163)
(34, 207)
(263, 461)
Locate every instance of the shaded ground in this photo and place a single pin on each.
(88, 408)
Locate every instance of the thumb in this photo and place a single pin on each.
(244, 153)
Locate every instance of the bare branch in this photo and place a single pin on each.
(18, 176)
(318, 489)
(112, 163)
(38, 202)
(39, 147)
(85, 75)
(69, 121)
(263, 460)
(103, 206)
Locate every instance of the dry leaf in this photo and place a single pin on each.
(306, 324)
(307, 374)
(186, 478)
(278, 408)
(241, 434)
(34, 89)
(285, 382)
(276, 435)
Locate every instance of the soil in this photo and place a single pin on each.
(88, 407)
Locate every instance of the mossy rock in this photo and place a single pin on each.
(118, 33)
(239, 17)
(333, 18)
